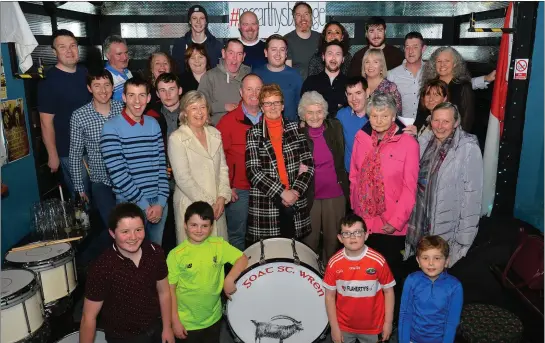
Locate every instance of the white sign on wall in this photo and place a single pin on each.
(274, 17)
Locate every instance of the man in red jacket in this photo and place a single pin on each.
(233, 127)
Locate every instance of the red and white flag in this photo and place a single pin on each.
(497, 115)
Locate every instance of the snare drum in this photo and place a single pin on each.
(74, 337)
(280, 295)
(55, 267)
(22, 312)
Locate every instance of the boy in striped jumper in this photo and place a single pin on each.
(133, 151)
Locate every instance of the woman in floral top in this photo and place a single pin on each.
(374, 70)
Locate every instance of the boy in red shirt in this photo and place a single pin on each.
(359, 288)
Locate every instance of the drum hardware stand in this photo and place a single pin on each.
(26, 319)
(39, 277)
(66, 279)
(295, 255)
(262, 258)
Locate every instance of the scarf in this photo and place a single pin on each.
(371, 185)
(430, 163)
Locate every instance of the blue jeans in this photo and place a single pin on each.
(154, 232)
(236, 214)
(65, 169)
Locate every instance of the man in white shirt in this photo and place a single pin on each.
(407, 76)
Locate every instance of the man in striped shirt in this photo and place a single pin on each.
(133, 150)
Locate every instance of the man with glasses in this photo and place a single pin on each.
(276, 71)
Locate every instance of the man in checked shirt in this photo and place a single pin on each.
(85, 131)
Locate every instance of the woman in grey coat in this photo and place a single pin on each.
(450, 184)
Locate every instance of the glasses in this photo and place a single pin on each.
(357, 233)
(271, 103)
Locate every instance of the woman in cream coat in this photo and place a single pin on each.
(198, 164)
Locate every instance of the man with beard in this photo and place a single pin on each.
(276, 71)
(85, 131)
(221, 85)
(198, 33)
(134, 153)
(249, 36)
(375, 32)
(233, 127)
(302, 42)
(117, 54)
(330, 83)
(62, 92)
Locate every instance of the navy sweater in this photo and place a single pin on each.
(430, 310)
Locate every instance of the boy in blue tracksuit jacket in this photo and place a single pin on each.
(432, 299)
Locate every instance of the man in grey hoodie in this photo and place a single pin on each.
(221, 85)
(199, 34)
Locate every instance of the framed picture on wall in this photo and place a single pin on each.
(14, 129)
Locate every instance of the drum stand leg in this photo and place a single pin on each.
(295, 255)
(262, 257)
(26, 319)
(66, 279)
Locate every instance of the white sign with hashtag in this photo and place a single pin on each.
(274, 17)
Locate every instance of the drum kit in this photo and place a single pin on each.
(40, 278)
(38, 286)
(280, 296)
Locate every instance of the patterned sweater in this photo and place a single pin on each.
(134, 155)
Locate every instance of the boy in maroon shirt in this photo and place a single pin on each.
(128, 282)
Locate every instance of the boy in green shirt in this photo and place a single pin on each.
(196, 277)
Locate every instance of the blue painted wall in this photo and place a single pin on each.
(19, 176)
(529, 199)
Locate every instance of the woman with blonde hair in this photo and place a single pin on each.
(198, 164)
(375, 71)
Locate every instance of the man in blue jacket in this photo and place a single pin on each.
(198, 33)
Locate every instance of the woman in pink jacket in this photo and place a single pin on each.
(383, 175)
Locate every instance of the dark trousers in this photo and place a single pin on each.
(153, 335)
(390, 247)
(210, 334)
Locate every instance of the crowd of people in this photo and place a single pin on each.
(227, 144)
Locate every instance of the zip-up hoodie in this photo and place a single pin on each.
(212, 45)
(430, 310)
(221, 88)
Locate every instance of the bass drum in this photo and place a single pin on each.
(279, 296)
(74, 337)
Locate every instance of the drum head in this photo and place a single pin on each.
(15, 280)
(74, 337)
(38, 254)
(289, 297)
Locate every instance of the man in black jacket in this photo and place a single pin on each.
(199, 34)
